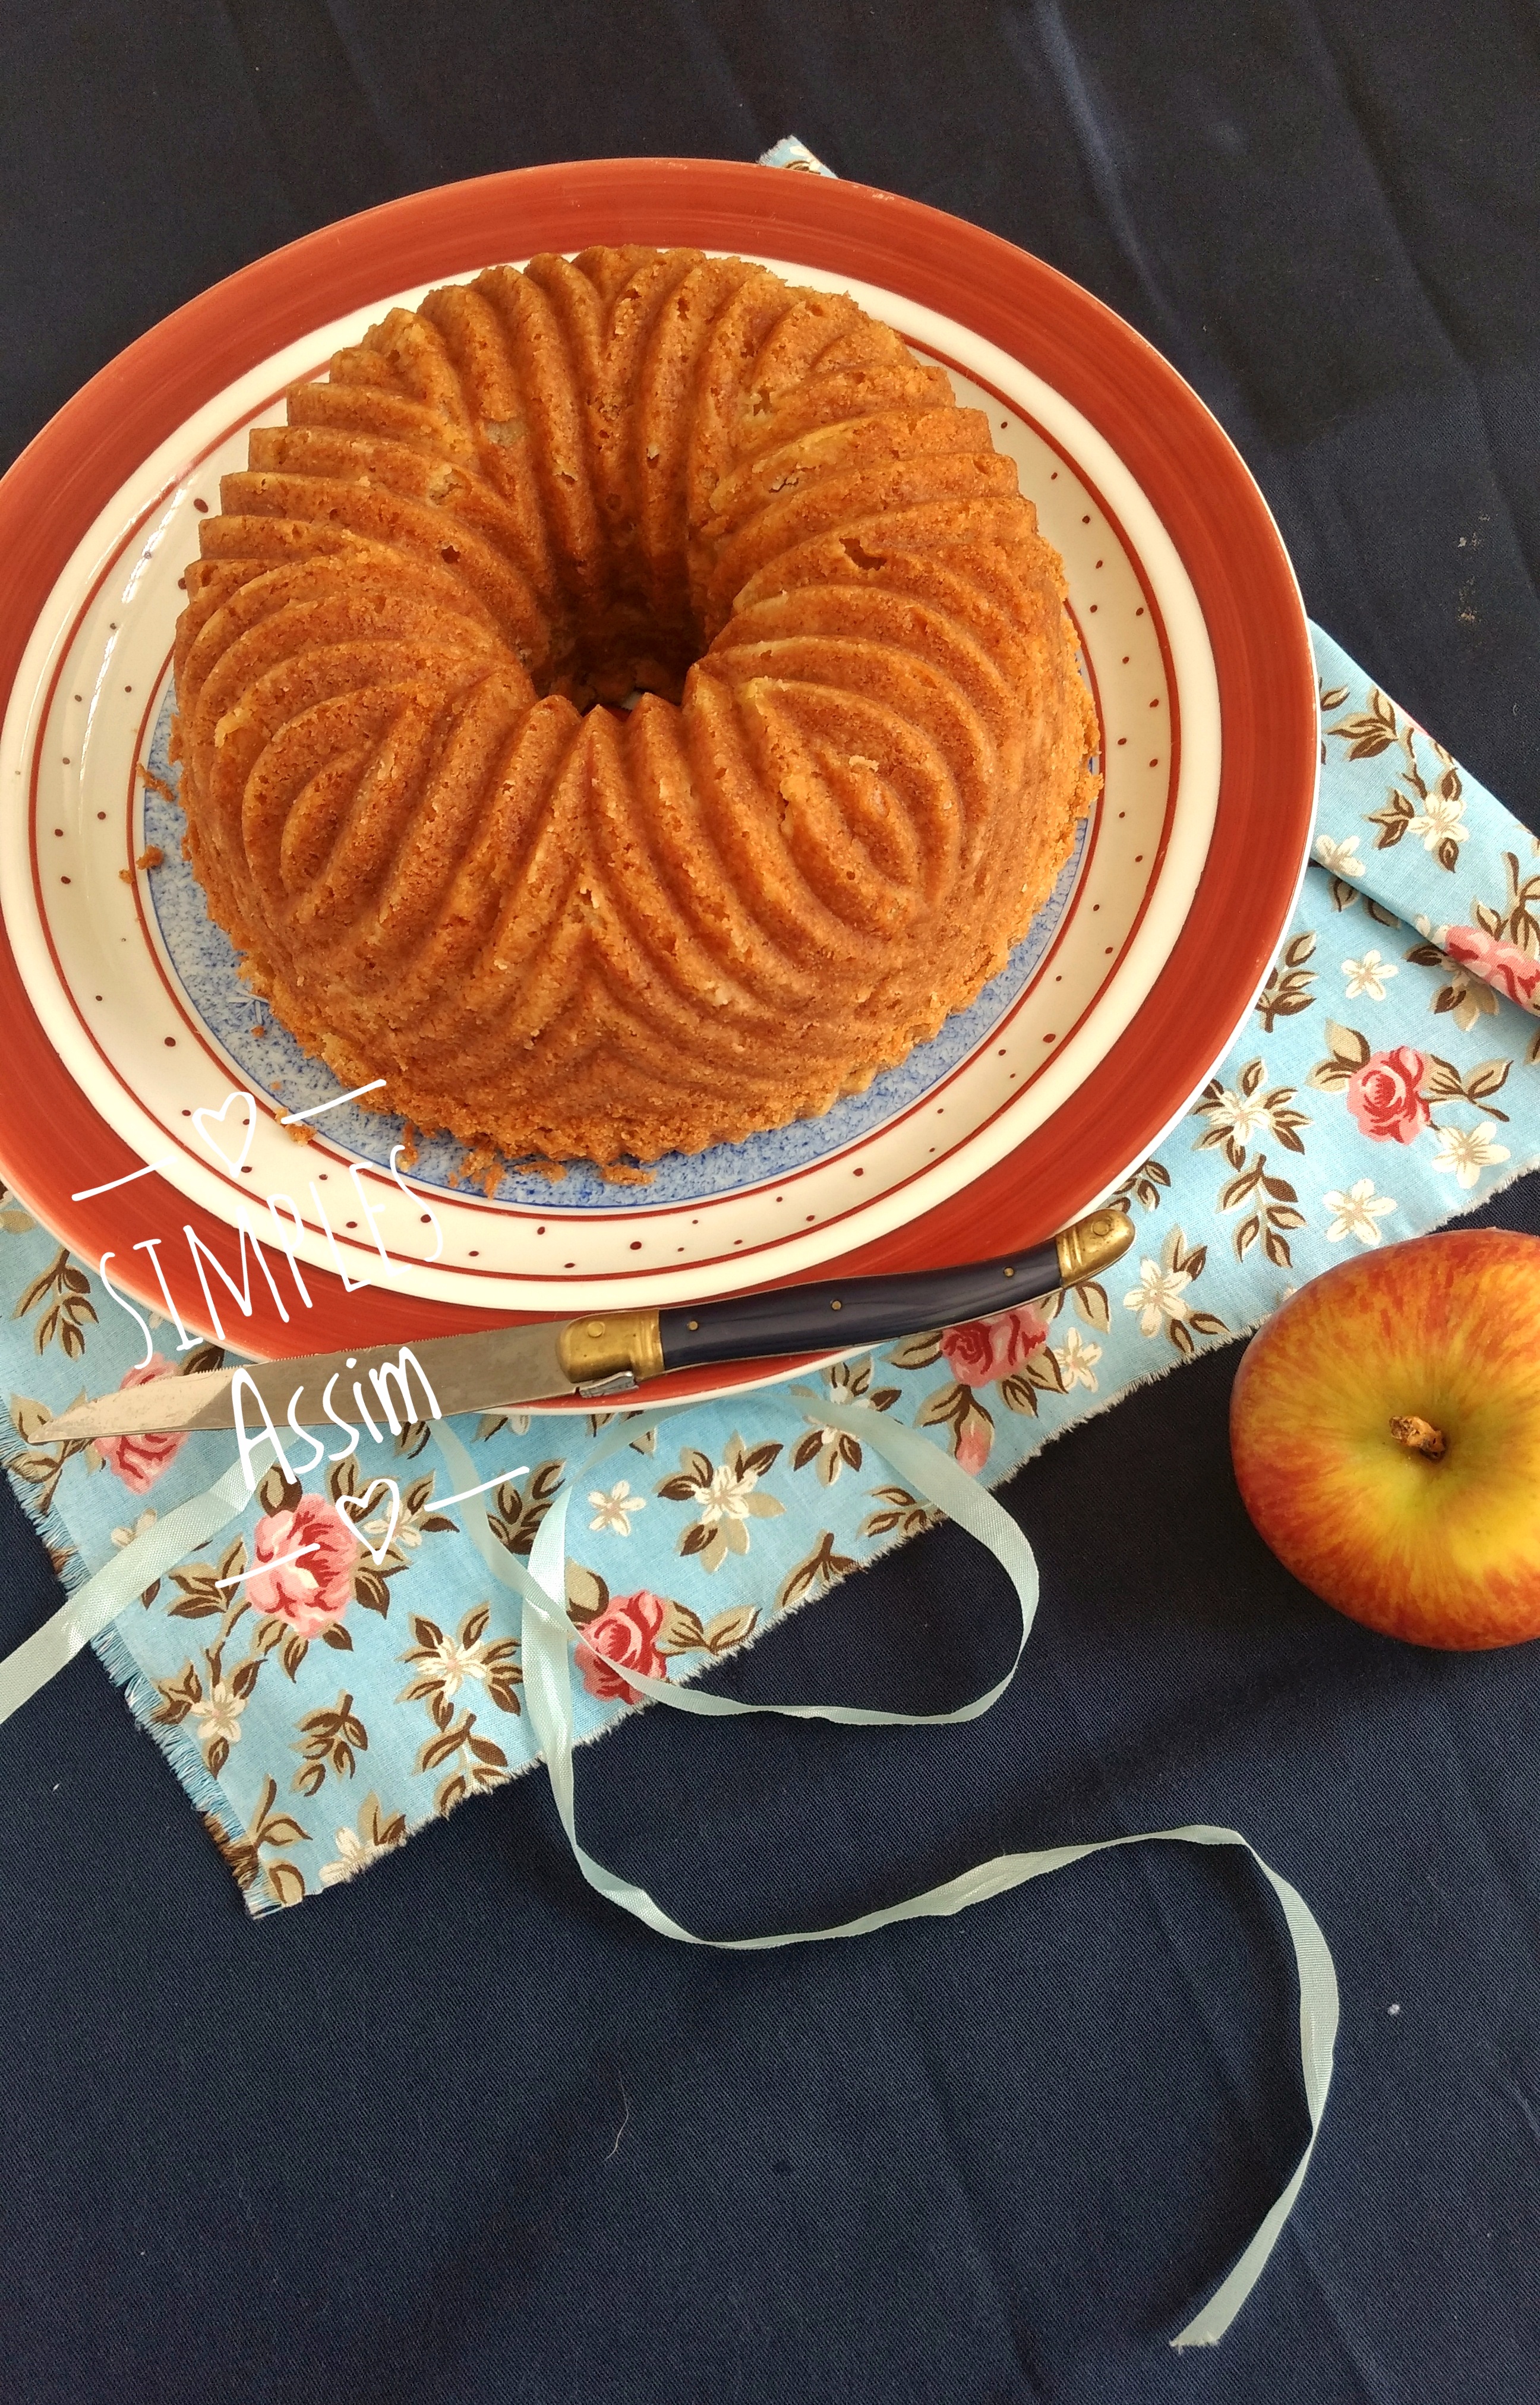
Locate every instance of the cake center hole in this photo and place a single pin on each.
(619, 653)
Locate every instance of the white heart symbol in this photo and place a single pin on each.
(213, 1143)
(353, 1506)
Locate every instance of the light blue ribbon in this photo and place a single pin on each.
(546, 1635)
(118, 1584)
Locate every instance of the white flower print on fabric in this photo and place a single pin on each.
(1368, 977)
(725, 1499)
(126, 1536)
(354, 1854)
(1160, 1295)
(406, 1529)
(1467, 1151)
(451, 1664)
(1078, 1360)
(1340, 858)
(376, 1832)
(616, 1510)
(1358, 1212)
(1242, 1115)
(219, 1714)
(441, 1665)
(1245, 1110)
(728, 1495)
(1441, 819)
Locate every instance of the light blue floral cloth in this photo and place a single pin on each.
(319, 1709)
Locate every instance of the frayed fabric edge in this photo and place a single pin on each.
(204, 1791)
(206, 1794)
(213, 1805)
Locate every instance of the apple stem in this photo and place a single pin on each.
(1420, 1436)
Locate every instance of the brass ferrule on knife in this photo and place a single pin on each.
(592, 1352)
(1093, 1243)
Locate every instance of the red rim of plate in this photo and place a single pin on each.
(1187, 466)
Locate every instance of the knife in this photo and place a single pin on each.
(599, 1355)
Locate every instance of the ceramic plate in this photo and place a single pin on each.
(133, 1032)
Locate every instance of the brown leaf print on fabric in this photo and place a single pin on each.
(370, 1579)
(267, 1826)
(15, 1220)
(1433, 812)
(39, 1463)
(829, 1450)
(1145, 1186)
(517, 1520)
(1287, 990)
(61, 1294)
(1442, 1082)
(899, 1514)
(1274, 1215)
(330, 1740)
(471, 1764)
(1465, 998)
(818, 1568)
(214, 1699)
(969, 1423)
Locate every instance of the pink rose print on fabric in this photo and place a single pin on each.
(623, 1637)
(974, 1447)
(139, 1460)
(984, 1350)
(1499, 965)
(1383, 1096)
(316, 1590)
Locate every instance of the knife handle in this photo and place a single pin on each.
(844, 1314)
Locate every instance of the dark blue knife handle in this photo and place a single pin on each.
(849, 1312)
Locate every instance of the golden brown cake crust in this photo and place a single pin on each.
(852, 779)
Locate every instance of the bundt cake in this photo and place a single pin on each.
(573, 932)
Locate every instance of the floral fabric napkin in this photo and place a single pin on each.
(322, 1708)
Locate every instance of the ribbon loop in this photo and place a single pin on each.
(548, 1636)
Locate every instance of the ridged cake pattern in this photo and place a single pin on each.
(556, 929)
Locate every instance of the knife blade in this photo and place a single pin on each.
(396, 1384)
(598, 1356)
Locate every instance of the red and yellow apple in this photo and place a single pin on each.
(1385, 1428)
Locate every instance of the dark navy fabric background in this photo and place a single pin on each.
(460, 2134)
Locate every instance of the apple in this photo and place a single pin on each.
(1385, 1429)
